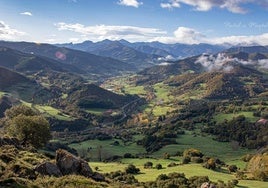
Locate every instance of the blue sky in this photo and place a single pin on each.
(168, 21)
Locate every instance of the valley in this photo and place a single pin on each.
(215, 104)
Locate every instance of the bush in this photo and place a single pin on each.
(131, 169)
(192, 153)
(232, 168)
(247, 157)
(148, 165)
(210, 164)
(172, 164)
(128, 155)
(158, 166)
(162, 177)
(186, 160)
(260, 175)
(196, 160)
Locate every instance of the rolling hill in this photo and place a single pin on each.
(88, 63)
(22, 87)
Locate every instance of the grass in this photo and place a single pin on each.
(139, 90)
(162, 92)
(221, 117)
(53, 112)
(106, 148)
(206, 144)
(2, 94)
(96, 111)
(189, 170)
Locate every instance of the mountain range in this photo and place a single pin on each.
(143, 54)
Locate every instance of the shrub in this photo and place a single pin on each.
(172, 164)
(128, 155)
(148, 165)
(162, 177)
(166, 156)
(196, 160)
(247, 157)
(260, 175)
(186, 160)
(131, 169)
(210, 164)
(232, 168)
(192, 153)
(158, 166)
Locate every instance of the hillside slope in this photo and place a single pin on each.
(85, 62)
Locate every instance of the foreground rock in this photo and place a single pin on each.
(48, 168)
(70, 164)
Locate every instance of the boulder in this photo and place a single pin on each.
(70, 164)
(98, 177)
(48, 168)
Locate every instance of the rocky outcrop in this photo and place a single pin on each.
(66, 164)
(48, 168)
(70, 164)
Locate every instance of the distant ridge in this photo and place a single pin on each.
(81, 61)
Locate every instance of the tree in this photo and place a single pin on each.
(27, 125)
(158, 166)
(148, 164)
(131, 169)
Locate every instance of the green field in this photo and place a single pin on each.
(139, 90)
(189, 170)
(53, 112)
(96, 111)
(107, 148)
(222, 116)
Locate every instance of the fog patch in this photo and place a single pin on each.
(222, 62)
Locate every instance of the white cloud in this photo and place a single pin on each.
(263, 63)
(170, 5)
(26, 13)
(191, 36)
(183, 35)
(240, 40)
(134, 34)
(222, 62)
(234, 6)
(101, 32)
(132, 3)
(7, 33)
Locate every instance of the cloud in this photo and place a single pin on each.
(72, 1)
(222, 62)
(170, 5)
(101, 32)
(7, 33)
(219, 63)
(263, 63)
(132, 3)
(261, 39)
(26, 13)
(191, 36)
(183, 35)
(234, 6)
